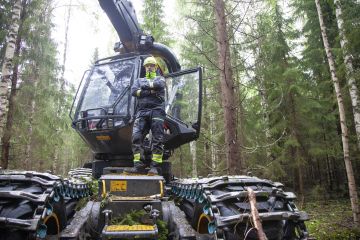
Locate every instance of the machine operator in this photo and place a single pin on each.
(150, 115)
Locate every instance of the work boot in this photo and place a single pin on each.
(154, 168)
(139, 168)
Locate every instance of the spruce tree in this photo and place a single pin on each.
(153, 14)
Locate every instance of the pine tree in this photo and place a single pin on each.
(234, 163)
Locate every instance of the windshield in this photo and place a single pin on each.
(107, 86)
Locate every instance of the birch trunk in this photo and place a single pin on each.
(353, 89)
(8, 63)
(29, 140)
(344, 130)
(193, 157)
(212, 147)
(5, 147)
(235, 164)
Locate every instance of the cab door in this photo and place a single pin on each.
(183, 107)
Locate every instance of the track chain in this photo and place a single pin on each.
(28, 199)
(219, 206)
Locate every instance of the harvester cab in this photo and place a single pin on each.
(103, 109)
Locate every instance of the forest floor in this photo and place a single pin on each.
(331, 219)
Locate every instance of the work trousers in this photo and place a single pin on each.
(145, 121)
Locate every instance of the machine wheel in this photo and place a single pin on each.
(196, 219)
(34, 205)
(56, 222)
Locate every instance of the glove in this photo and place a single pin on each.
(145, 87)
(145, 93)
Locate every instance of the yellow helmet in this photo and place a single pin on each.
(150, 60)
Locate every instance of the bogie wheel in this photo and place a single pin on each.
(203, 224)
(52, 224)
(195, 219)
(59, 215)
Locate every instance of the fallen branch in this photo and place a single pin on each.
(255, 215)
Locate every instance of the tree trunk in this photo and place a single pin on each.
(8, 63)
(181, 163)
(235, 164)
(344, 130)
(55, 158)
(193, 157)
(212, 147)
(353, 90)
(27, 160)
(5, 148)
(300, 177)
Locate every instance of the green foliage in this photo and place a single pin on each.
(134, 218)
(163, 230)
(154, 23)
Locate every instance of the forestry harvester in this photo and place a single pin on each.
(37, 205)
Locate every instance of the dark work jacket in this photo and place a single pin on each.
(155, 100)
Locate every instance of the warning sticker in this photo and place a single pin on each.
(120, 228)
(118, 186)
(103, 138)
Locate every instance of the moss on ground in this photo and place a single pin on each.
(331, 220)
